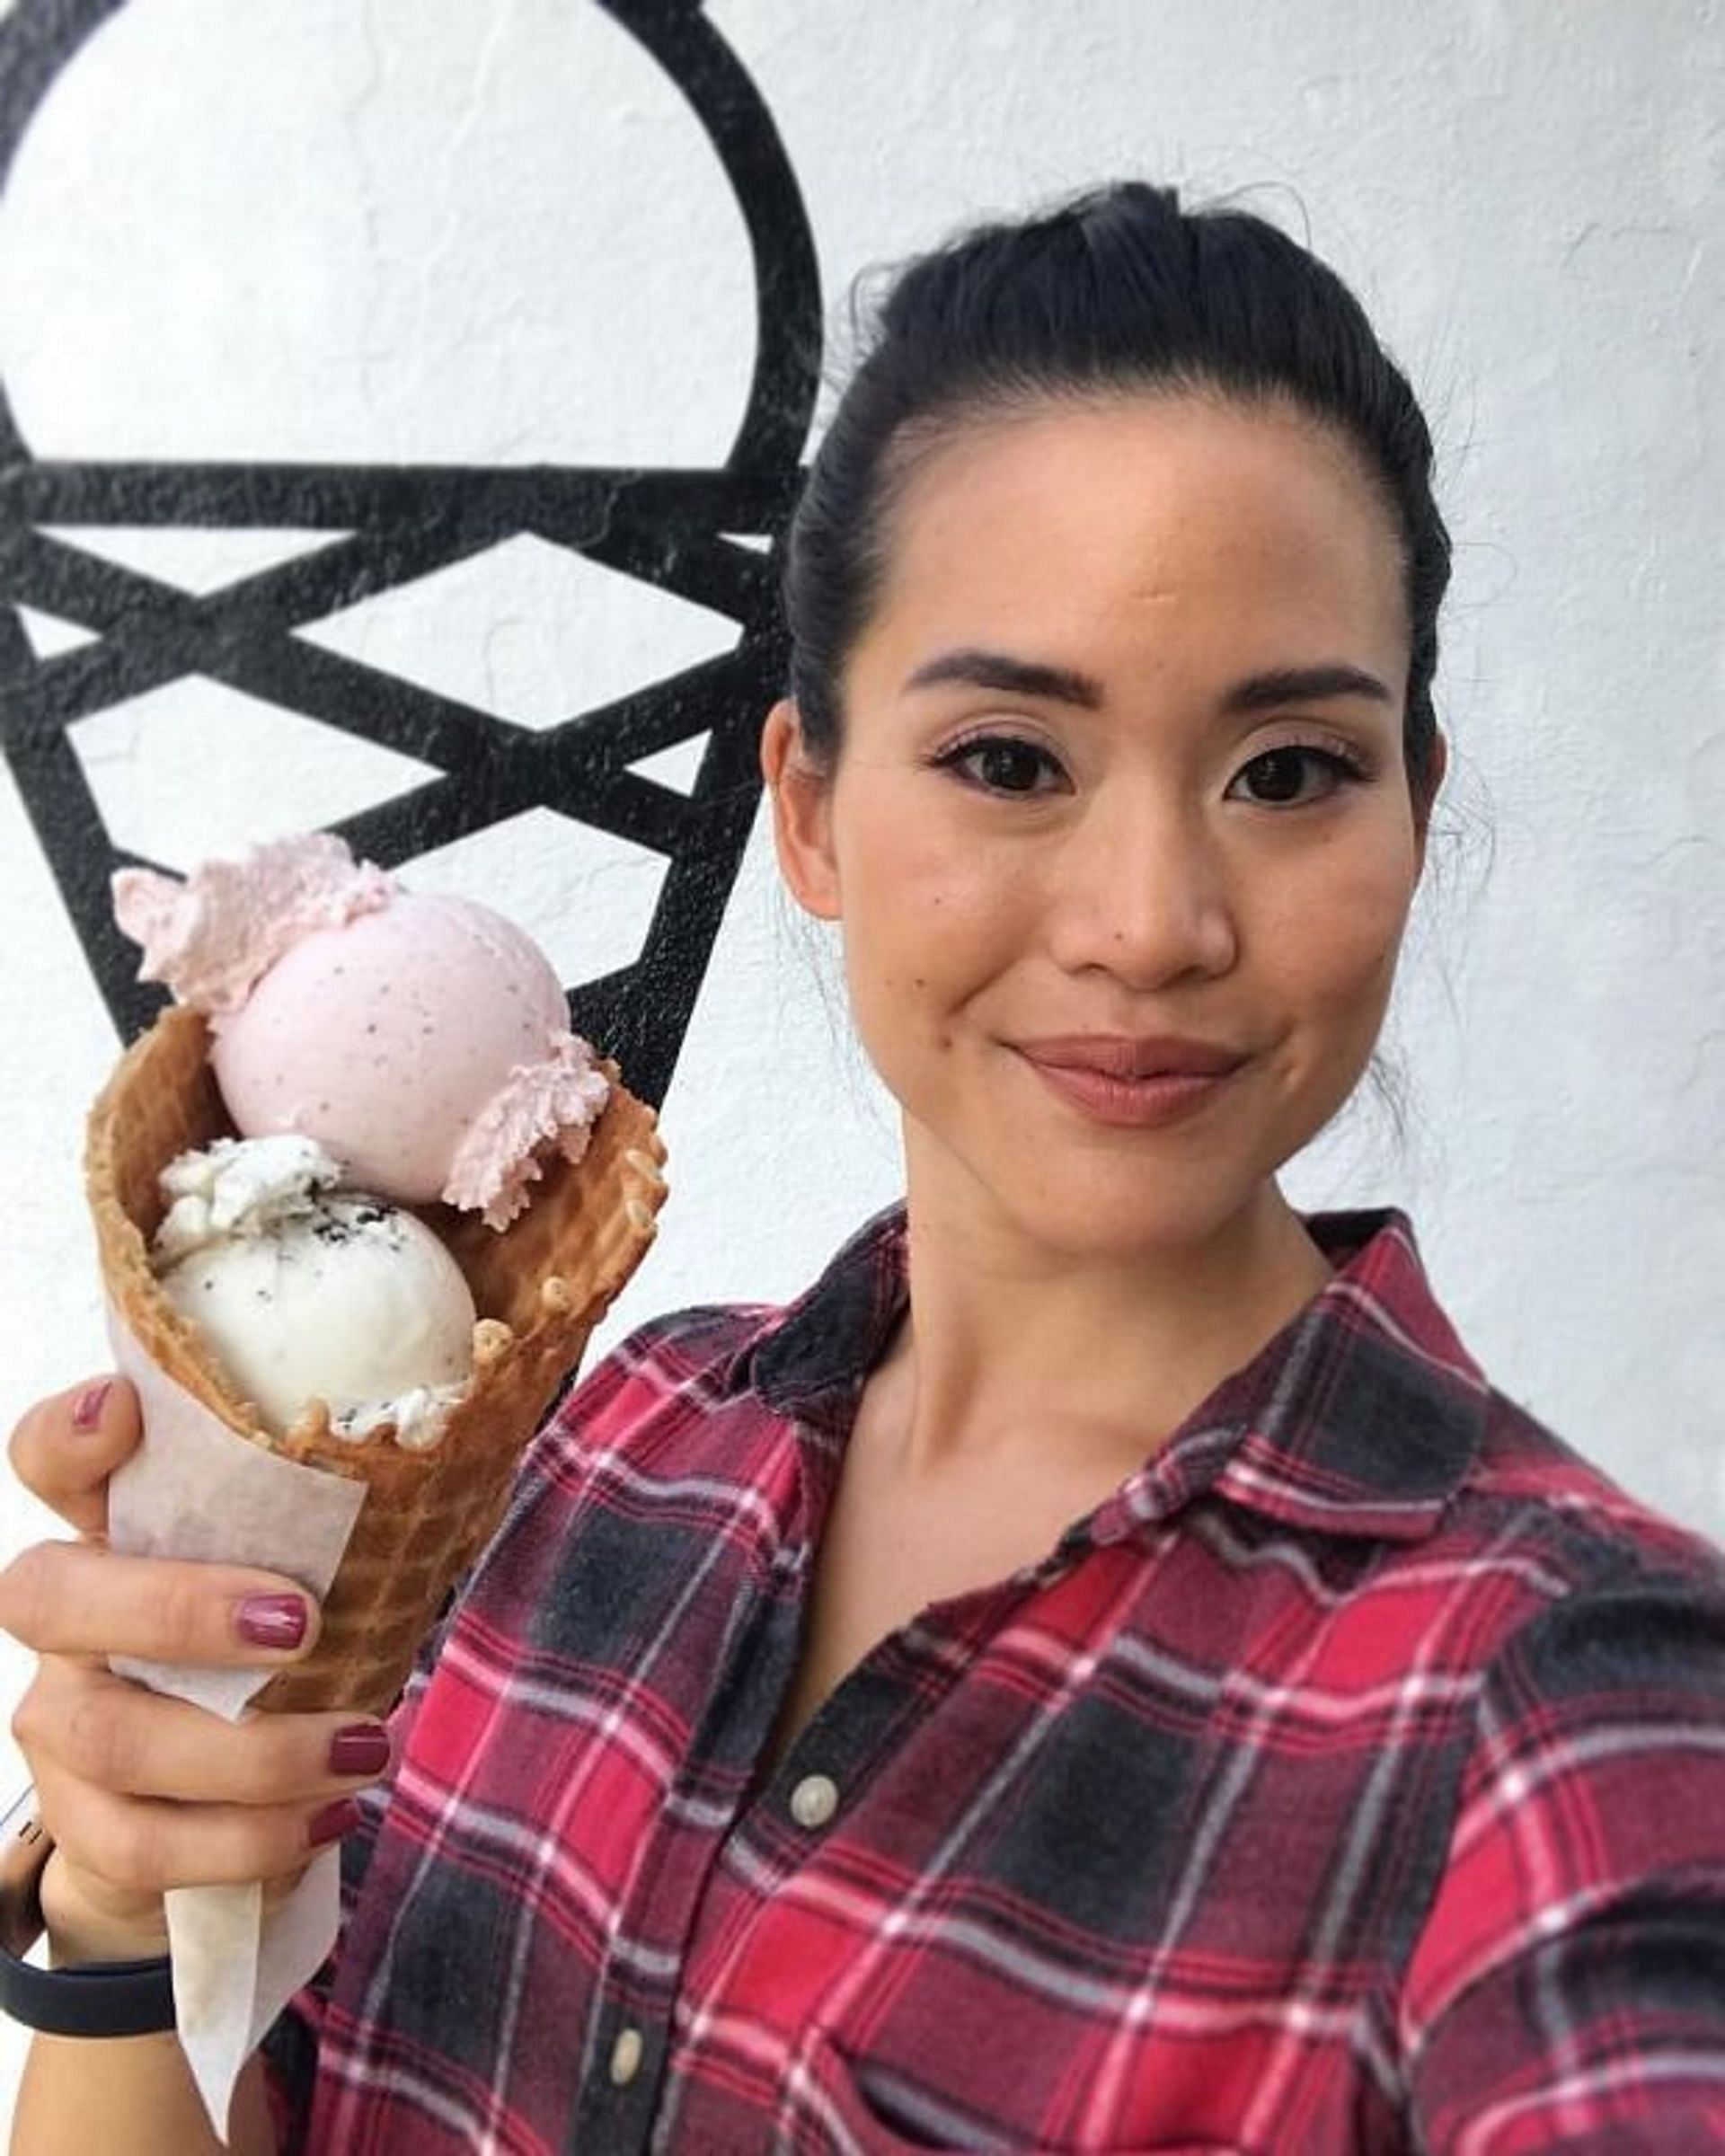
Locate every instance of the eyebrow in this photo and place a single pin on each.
(1302, 684)
(1014, 676)
(1000, 670)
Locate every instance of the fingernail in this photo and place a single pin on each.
(363, 1749)
(270, 1620)
(86, 1409)
(332, 1822)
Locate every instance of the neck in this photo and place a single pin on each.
(1012, 1349)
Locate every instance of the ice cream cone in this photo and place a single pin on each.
(540, 1287)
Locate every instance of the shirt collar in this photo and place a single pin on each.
(1361, 1416)
(809, 1360)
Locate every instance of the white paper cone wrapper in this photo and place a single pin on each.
(195, 1489)
(216, 1935)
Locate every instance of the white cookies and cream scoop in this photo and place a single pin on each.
(309, 1291)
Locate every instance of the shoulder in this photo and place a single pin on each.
(742, 1366)
(706, 1338)
(1546, 1581)
(679, 1368)
(668, 1418)
(1532, 1499)
(1623, 1618)
(1395, 1428)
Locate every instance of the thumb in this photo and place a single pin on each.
(64, 1448)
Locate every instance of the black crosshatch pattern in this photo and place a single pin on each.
(683, 531)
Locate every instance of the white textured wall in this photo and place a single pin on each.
(443, 229)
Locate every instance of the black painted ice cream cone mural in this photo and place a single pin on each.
(360, 467)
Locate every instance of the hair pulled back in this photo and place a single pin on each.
(1120, 290)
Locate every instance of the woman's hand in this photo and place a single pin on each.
(142, 1792)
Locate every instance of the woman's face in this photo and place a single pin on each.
(1123, 767)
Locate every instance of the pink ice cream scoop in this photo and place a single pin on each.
(422, 1040)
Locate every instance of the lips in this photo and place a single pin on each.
(1122, 1055)
(1132, 1083)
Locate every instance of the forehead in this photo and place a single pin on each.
(1177, 531)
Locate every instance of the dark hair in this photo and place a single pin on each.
(1118, 290)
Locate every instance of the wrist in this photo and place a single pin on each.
(99, 1986)
(86, 1922)
(83, 1949)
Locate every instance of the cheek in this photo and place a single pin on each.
(1340, 926)
(923, 910)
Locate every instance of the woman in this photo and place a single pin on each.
(1102, 1671)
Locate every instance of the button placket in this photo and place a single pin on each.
(814, 1800)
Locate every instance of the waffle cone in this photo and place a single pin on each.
(540, 1287)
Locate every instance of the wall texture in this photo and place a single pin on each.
(445, 252)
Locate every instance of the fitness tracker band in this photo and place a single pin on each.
(99, 1999)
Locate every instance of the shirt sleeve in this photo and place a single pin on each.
(1567, 1990)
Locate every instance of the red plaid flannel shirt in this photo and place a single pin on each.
(1352, 1779)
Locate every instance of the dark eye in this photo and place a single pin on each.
(1280, 777)
(1002, 763)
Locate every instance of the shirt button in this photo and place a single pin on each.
(814, 1800)
(625, 2057)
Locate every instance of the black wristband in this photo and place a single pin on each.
(100, 1998)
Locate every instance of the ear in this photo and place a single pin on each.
(802, 823)
(1423, 819)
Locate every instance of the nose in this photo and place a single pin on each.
(1141, 892)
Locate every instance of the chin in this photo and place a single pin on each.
(1103, 1209)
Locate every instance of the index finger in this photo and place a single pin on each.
(66, 1447)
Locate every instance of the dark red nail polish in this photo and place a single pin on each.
(86, 1409)
(363, 1749)
(270, 1620)
(332, 1822)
